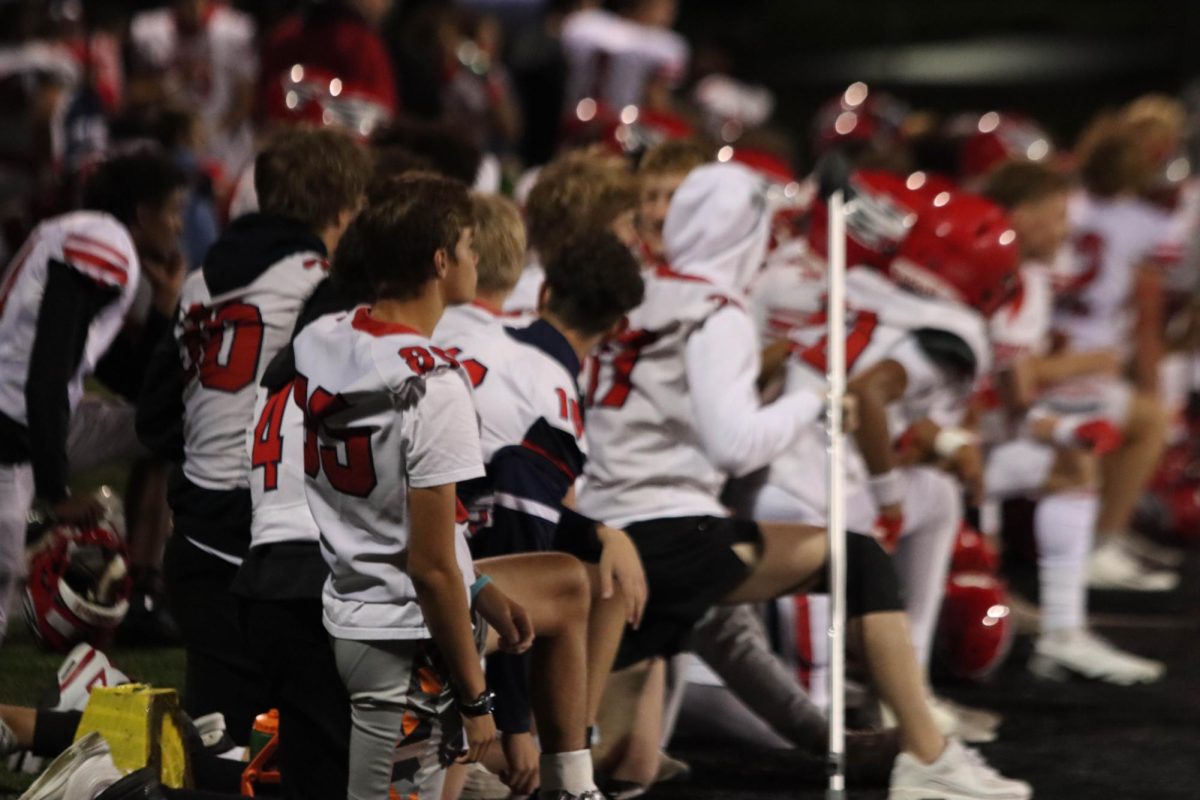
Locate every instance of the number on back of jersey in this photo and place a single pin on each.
(223, 344)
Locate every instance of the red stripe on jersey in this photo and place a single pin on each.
(363, 321)
(80, 240)
(108, 268)
(558, 462)
(804, 650)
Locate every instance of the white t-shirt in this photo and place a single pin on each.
(611, 58)
(386, 411)
(97, 246)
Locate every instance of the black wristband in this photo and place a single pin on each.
(481, 706)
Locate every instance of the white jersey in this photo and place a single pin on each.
(789, 293)
(881, 326)
(612, 59)
(466, 321)
(385, 411)
(275, 444)
(93, 244)
(662, 439)
(213, 65)
(1110, 239)
(226, 340)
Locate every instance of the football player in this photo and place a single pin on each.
(659, 174)
(673, 410)
(63, 301)
(389, 430)
(235, 313)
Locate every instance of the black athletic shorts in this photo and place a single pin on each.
(690, 566)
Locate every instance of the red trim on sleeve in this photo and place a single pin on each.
(363, 321)
(81, 257)
(86, 241)
(528, 445)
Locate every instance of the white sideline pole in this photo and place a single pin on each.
(836, 500)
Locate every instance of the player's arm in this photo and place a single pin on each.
(159, 420)
(740, 435)
(1050, 369)
(1148, 328)
(70, 302)
(872, 391)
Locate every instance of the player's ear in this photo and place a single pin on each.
(543, 297)
(441, 262)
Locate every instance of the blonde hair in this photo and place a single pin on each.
(578, 192)
(1124, 151)
(499, 241)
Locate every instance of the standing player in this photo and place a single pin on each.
(390, 430)
(236, 311)
(674, 411)
(63, 301)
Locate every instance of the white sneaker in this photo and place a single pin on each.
(972, 725)
(83, 669)
(1156, 555)
(959, 773)
(53, 782)
(1058, 655)
(91, 778)
(1112, 567)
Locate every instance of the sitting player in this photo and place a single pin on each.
(1054, 456)
(577, 192)
(659, 174)
(236, 312)
(63, 301)
(396, 603)
(674, 410)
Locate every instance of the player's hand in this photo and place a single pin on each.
(84, 510)
(889, 525)
(165, 276)
(620, 564)
(481, 732)
(510, 621)
(522, 756)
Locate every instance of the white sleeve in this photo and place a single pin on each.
(443, 443)
(739, 434)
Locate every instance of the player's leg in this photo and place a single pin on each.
(932, 515)
(631, 725)
(1125, 472)
(16, 495)
(606, 625)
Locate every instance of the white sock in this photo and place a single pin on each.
(932, 512)
(567, 772)
(1063, 525)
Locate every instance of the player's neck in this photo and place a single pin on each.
(582, 343)
(492, 301)
(420, 313)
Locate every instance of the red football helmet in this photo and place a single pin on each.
(307, 94)
(973, 552)
(999, 137)
(975, 631)
(964, 250)
(79, 586)
(859, 116)
(877, 220)
(1177, 485)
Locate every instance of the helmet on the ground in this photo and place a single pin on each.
(79, 586)
(973, 552)
(976, 630)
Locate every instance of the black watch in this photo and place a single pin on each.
(481, 706)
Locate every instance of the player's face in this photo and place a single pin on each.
(1041, 226)
(656, 194)
(624, 227)
(159, 228)
(459, 283)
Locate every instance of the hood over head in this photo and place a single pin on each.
(718, 225)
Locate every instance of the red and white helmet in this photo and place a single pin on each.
(878, 219)
(964, 250)
(857, 117)
(975, 631)
(79, 586)
(994, 138)
(307, 94)
(973, 552)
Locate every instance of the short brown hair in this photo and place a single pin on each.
(675, 156)
(1120, 153)
(577, 192)
(593, 281)
(397, 237)
(499, 241)
(1020, 181)
(311, 174)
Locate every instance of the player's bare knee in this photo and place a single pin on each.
(572, 588)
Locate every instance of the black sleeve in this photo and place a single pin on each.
(123, 367)
(160, 403)
(508, 675)
(69, 304)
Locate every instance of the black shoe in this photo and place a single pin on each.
(141, 784)
(148, 623)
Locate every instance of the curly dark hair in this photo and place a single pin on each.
(593, 281)
(395, 239)
(121, 184)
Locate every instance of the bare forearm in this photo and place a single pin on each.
(872, 435)
(1053, 369)
(447, 615)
